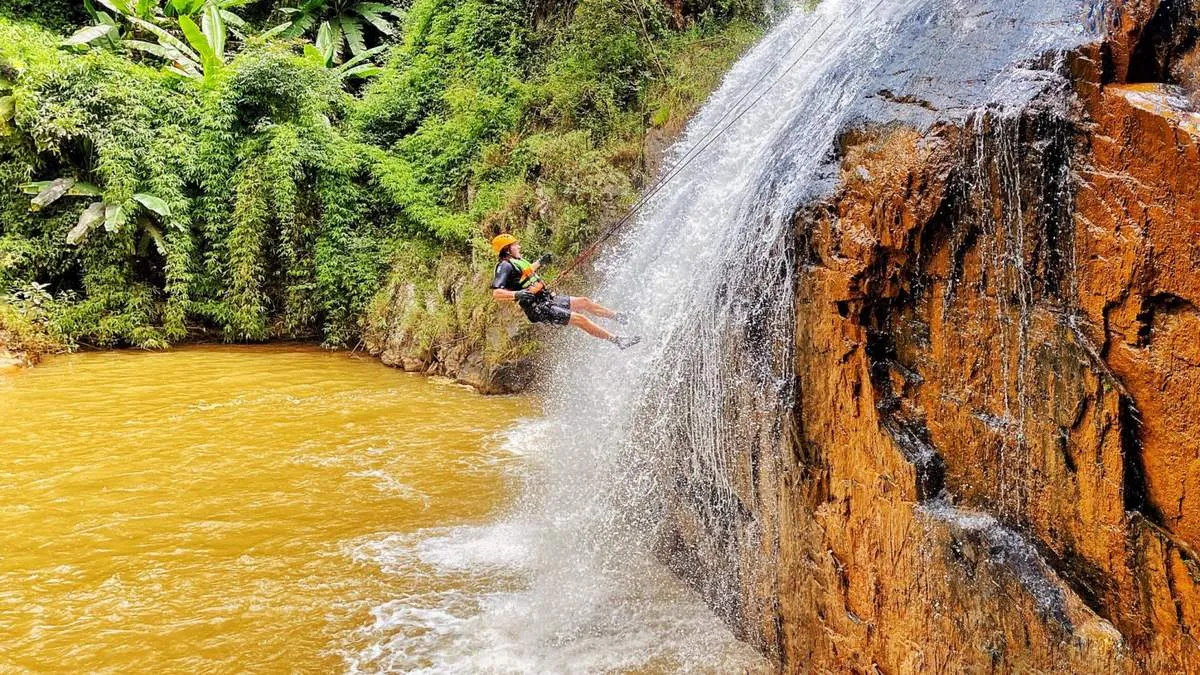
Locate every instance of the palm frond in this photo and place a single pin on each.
(353, 29)
(376, 17)
(166, 38)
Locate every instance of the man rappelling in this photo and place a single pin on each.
(517, 281)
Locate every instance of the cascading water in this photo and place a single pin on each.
(642, 455)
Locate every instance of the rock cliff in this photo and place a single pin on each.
(992, 460)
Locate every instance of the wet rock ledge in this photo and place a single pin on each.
(993, 461)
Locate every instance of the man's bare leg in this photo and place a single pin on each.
(582, 322)
(581, 304)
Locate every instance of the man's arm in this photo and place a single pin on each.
(503, 295)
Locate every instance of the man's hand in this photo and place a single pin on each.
(544, 260)
(523, 296)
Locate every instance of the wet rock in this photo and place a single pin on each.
(12, 357)
(1139, 280)
(992, 459)
(9, 360)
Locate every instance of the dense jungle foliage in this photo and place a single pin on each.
(256, 170)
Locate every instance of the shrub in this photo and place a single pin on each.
(26, 325)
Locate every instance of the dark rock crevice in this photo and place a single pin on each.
(1136, 493)
(1173, 30)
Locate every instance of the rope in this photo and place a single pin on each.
(691, 155)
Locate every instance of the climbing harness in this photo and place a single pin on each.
(691, 155)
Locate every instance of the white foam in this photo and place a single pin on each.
(482, 614)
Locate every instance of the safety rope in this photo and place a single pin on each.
(697, 150)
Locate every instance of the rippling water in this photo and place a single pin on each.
(227, 509)
(284, 509)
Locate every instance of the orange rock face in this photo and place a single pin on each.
(993, 460)
(1139, 273)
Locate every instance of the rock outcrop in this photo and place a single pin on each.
(439, 319)
(10, 356)
(9, 360)
(993, 461)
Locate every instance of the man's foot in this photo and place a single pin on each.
(621, 318)
(622, 342)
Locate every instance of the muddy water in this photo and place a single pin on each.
(222, 509)
(283, 510)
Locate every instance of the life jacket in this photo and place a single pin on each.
(530, 281)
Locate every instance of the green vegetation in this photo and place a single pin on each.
(346, 24)
(176, 173)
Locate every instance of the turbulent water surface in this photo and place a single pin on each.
(277, 510)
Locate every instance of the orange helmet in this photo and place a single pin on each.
(500, 241)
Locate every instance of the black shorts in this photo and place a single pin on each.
(548, 308)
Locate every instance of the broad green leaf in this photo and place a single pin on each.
(311, 53)
(180, 64)
(144, 7)
(82, 189)
(167, 39)
(114, 37)
(93, 214)
(51, 193)
(213, 27)
(35, 187)
(7, 108)
(362, 57)
(159, 50)
(354, 34)
(277, 30)
(86, 35)
(196, 38)
(189, 74)
(160, 242)
(362, 71)
(325, 43)
(233, 19)
(114, 217)
(187, 7)
(118, 6)
(374, 13)
(301, 25)
(153, 203)
(338, 40)
(376, 7)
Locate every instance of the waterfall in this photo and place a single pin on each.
(659, 453)
(667, 448)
